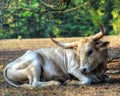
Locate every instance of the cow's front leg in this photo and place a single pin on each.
(81, 77)
(104, 78)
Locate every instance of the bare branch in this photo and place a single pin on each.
(4, 7)
(51, 7)
(67, 4)
(48, 5)
(59, 5)
(75, 8)
(8, 3)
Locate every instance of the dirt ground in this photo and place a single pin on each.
(11, 49)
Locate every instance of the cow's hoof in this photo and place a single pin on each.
(67, 82)
(26, 86)
(56, 83)
(86, 81)
(106, 78)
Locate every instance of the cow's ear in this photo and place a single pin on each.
(104, 45)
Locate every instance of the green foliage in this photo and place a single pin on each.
(30, 19)
(116, 21)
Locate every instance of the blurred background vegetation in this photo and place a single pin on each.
(38, 18)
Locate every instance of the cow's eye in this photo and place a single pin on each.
(89, 52)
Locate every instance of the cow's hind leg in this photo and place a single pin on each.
(33, 73)
(37, 83)
(36, 80)
(34, 77)
(48, 83)
(28, 86)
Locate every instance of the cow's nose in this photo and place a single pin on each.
(83, 70)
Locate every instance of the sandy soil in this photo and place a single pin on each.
(11, 49)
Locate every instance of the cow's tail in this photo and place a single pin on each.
(8, 80)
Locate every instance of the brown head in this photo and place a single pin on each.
(91, 51)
